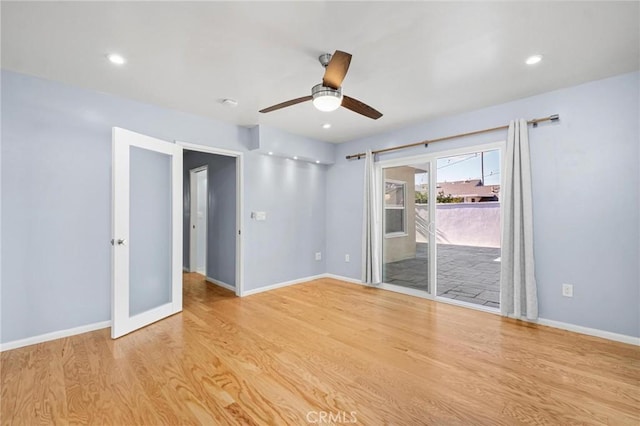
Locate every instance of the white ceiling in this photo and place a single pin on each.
(412, 61)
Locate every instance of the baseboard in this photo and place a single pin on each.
(220, 284)
(54, 335)
(282, 284)
(623, 338)
(185, 269)
(341, 278)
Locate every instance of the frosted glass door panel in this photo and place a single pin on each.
(150, 244)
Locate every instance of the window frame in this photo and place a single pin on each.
(404, 232)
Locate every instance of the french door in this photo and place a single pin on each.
(147, 231)
(441, 225)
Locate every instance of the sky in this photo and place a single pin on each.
(468, 166)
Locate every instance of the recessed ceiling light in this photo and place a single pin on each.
(295, 158)
(114, 58)
(326, 126)
(534, 59)
(317, 161)
(270, 153)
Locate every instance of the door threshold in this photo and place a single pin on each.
(475, 306)
(409, 291)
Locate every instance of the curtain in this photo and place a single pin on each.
(371, 224)
(518, 293)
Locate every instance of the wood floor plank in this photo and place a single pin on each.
(286, 356)
(49, 389)
(11, 374)
(24, 410)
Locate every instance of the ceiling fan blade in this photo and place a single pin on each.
(336, 69)
(360, 107)
(287, 104)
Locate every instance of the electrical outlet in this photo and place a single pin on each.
(346, 258)
(318, 256)
(567, 290)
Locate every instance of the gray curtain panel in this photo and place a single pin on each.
(371, 226)
(518, 292)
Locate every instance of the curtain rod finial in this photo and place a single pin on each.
(555, 117)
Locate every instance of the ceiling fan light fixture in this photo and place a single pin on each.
(325, 98)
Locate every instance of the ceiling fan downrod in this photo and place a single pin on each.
(324, 59)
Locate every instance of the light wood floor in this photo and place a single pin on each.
(354, 353)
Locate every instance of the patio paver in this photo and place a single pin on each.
(465, 273)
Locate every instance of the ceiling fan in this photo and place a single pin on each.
(327, 96)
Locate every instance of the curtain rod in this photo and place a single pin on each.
(535, 121)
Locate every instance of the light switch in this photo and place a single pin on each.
(259, 215)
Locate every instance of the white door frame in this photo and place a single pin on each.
(239, 202)
(431, 159)
(121, 321)
(193, 219)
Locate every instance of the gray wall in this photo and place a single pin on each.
(221, 211)
(56, 201)
(585, 193)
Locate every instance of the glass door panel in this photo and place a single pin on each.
(406, 220)
(468, 227)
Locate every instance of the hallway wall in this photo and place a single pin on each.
(221, 217)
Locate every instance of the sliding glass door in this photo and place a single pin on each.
(441, 225)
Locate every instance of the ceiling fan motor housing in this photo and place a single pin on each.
(324, 59)
(326, 98)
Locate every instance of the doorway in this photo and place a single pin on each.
(198, 219)
(441, 225)
(212, 200)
